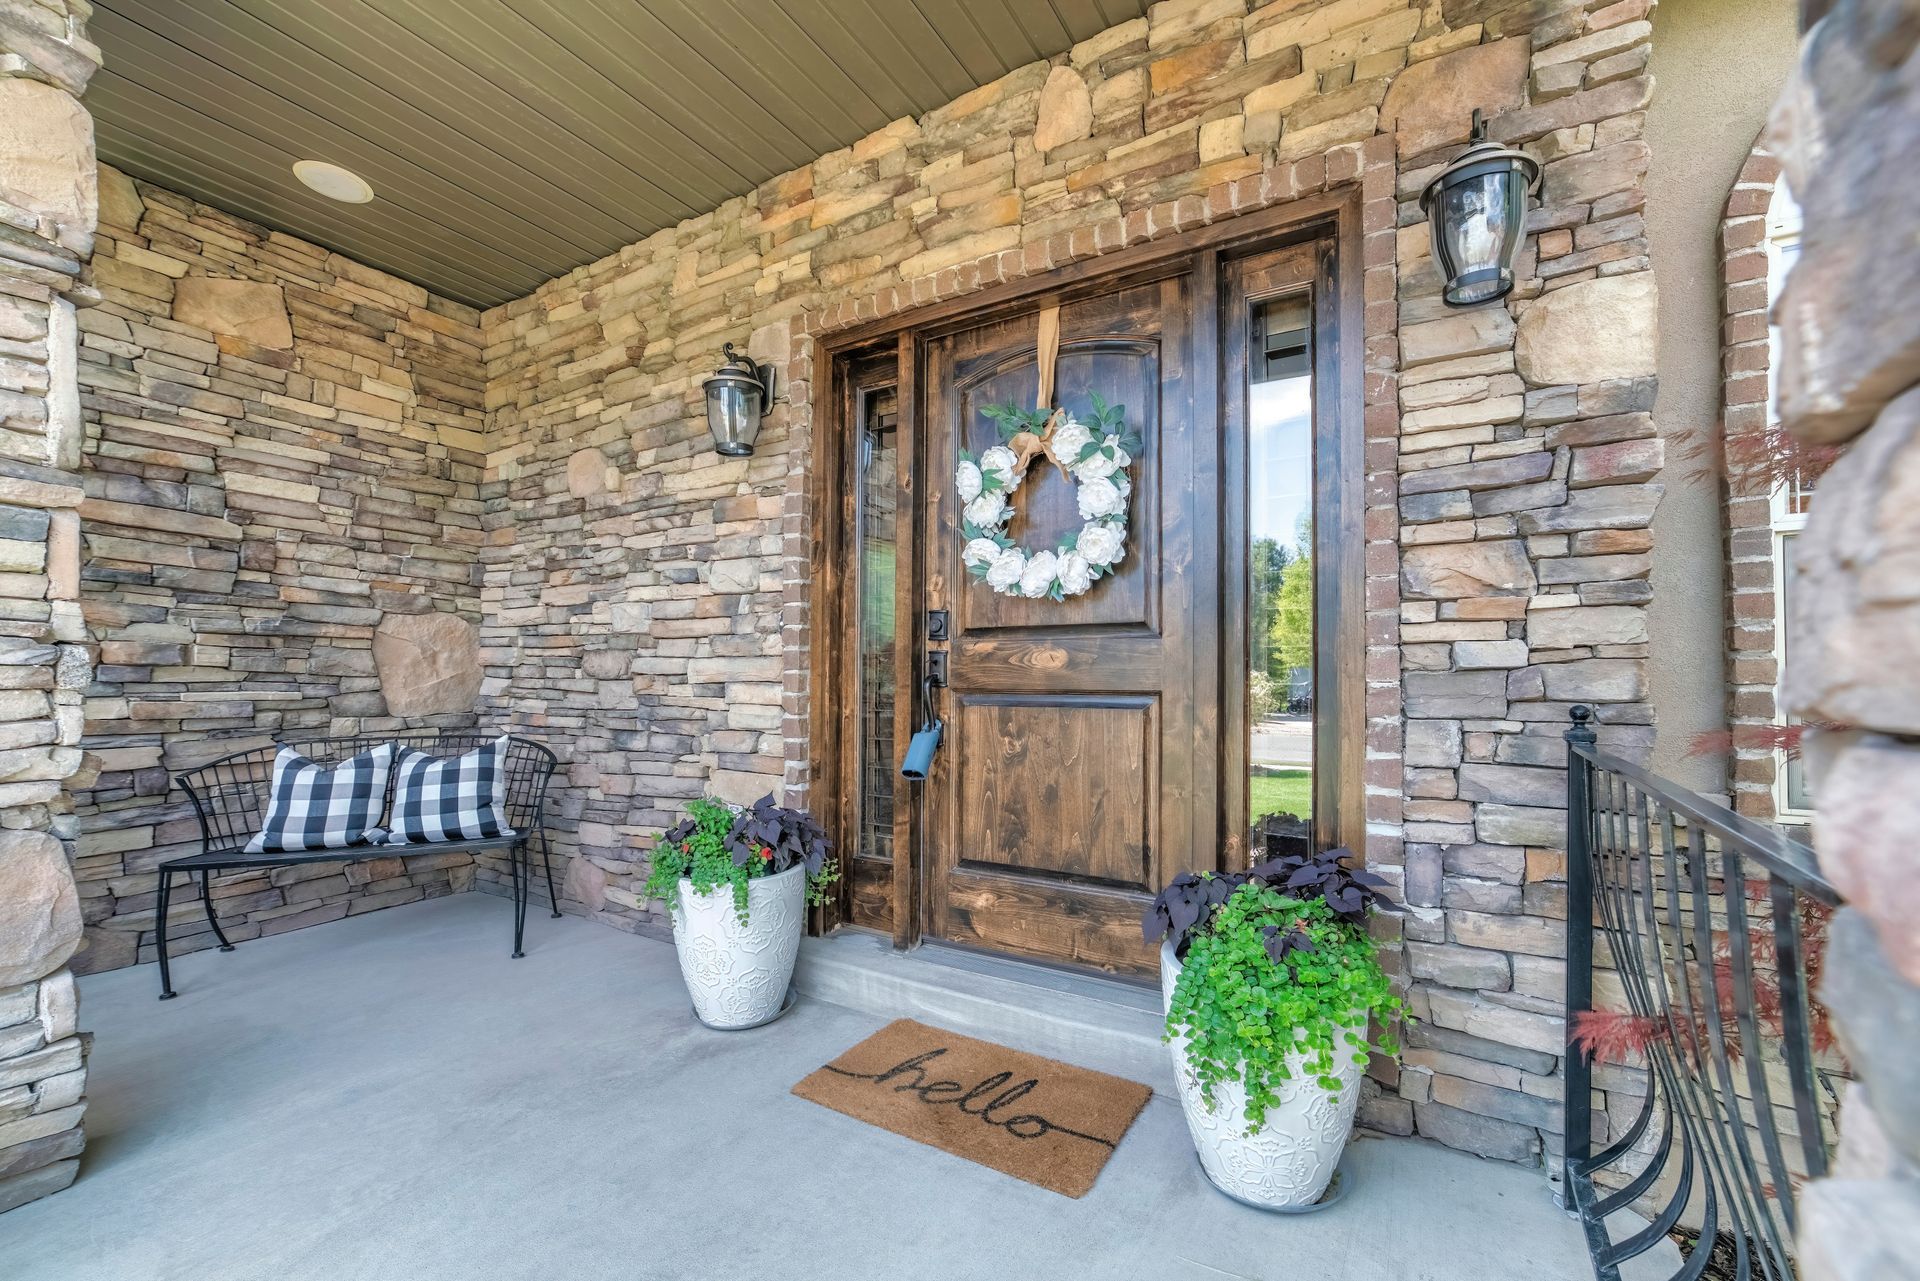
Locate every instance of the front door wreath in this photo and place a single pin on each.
(1094, 455)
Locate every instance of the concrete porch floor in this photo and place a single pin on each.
(392, 1097)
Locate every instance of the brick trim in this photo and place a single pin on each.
(1745, 373)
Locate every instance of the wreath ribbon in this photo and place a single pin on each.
(1031, 443)
(1048, 354)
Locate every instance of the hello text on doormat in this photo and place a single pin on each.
(1037, 1119)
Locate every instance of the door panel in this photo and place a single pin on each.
(1041, 766)
(1045, 510)
(1065, 794)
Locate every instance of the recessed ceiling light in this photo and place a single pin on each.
(333, 182)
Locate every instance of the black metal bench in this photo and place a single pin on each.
(229, 796)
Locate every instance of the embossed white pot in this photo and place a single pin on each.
(1290, 1160)
(737, 974)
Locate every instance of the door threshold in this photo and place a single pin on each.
(1096, 1022)
(1124, 989)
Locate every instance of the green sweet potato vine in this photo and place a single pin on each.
(1245, 1011)
(717, 845)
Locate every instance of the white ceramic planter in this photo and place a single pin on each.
(1288, 1163)
(737, 974)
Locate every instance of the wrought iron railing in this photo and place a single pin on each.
(1711, 928)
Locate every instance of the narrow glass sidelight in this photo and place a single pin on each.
(878, 542)
(1280, 591)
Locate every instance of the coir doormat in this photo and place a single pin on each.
(1039, 1120)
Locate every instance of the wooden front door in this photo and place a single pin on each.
(1080, 766)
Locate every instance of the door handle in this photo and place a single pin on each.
(925, 743)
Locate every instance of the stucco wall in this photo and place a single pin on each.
(1715, 92)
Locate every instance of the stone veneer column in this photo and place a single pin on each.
(1846, 131)
(47, 210)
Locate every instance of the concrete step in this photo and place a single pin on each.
(1104, 1024)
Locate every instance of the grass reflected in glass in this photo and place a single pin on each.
(1287, 791)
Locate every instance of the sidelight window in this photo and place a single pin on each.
(1280, 592)
(878, 540)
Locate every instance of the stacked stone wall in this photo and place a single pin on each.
(282, 524)
(645, 601)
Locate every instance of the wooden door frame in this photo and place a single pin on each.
(832, 788)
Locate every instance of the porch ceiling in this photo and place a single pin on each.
(509, 141)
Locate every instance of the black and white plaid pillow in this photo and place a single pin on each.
(312, 807)
(458, 798)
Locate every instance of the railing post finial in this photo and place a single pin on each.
(1582, 731)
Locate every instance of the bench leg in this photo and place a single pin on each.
(206, 900)
(160, 933)
(546, 861)
(521, 875)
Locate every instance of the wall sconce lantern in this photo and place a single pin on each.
(1477, 211)
(739, 394)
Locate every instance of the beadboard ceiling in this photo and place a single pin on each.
(509, 141)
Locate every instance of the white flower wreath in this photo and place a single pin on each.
(1094, 455)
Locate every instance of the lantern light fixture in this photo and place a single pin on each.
(739, 394)
(1477, 212)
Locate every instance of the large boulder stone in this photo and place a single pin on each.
(1066, 110)
(46, 158)
(429, 664)
(1869, 809)
(1850, 334)
(588, 474)
(1859, 1229)
(246, 309)
(1587, 625)
(1482, 1135)
(1589, 332)
(1855, 594)
(120, 202)
(1876, 1013)
(39, 907)
(586, 883)
(1431, 103)
(1481, 331)
(1446, 571)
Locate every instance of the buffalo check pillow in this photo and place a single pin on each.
(313, 807)
(457, 798)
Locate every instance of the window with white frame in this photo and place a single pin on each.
(1793, 801)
